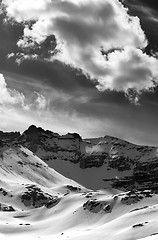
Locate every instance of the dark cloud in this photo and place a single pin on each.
(151, 4)
(9, 35)
(54, 74)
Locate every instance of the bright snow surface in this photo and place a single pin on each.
(36, 202)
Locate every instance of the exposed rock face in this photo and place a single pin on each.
(8, 137)
(96, 206)
(49, 145)
(127, 166)
(34, 197)
(6, 208)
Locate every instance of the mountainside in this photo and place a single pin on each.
(95, 163)
(36, 202)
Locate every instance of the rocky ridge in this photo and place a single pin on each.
(119, 164)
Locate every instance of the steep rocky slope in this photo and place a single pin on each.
(95, 163)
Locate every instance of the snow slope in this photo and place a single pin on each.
(36, 202)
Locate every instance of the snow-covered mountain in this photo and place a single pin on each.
(95, 163)
(36, 202)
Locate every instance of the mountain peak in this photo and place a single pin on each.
(33, 129)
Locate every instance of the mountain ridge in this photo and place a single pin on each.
(114, 162)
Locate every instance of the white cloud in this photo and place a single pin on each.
(41, 101)
(82, 29)
(130, 68)
(18, 111)
(9, 96)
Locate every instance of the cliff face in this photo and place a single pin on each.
(50, 146)
(110, 161)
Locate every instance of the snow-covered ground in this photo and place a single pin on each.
(36, 202)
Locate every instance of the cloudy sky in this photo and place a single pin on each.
(86, 66)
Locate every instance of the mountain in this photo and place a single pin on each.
(36, 202)
(106, 162)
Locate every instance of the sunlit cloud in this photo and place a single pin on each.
(41, 101)
(131, 71)
(98, 37)
(14, 101)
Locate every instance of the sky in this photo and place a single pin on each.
(85, 66)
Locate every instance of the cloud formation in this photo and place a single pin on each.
(96, 36)
(41, 101)
(8, 96)
(11, 97)
(19, 110)
(130, 70)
